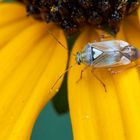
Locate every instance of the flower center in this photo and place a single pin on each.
(72, 15)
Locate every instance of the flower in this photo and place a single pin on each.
(31, 62)
(96, 114)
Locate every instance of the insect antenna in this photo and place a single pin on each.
(54, 37)
(62, 75)
(59, 42)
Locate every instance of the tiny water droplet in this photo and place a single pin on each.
(56, 90)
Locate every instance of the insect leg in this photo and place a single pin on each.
(81, 74)
(93, 72)
(122, 70)
(104, 36)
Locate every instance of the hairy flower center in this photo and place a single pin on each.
(72, 15)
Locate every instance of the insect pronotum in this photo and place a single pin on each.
(104, 54)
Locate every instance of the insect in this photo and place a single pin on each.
(105, 54)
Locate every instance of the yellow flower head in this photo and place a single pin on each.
(33, 56)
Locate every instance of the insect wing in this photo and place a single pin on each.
(111, 59)
(111, 45)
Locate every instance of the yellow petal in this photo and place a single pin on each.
(30, 64)
(10, 12)
(128, 91)
(9, 31)
(128, 83)
(139, 14)
(120, 35)
(100, 115)
(131, 26)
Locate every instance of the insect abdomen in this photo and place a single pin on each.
(131, 52)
